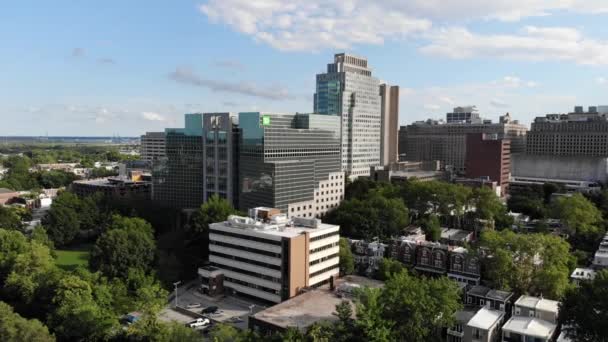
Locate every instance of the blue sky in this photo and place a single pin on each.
(126, 67)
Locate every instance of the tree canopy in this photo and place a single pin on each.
(347, 261)
(128, 243)
(14, 328)
(584, 310)
(527, 263)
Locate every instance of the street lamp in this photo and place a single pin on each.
(176, 284)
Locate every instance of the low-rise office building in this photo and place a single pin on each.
(270, 256)
(118, 188)
(315, 305)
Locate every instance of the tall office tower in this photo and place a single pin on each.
(269, 256)
(177, 178)
(221, 157)
(389, 108)
(152, 146)
(489, 156)
(432, 140)
(349, 90)
(290, 162)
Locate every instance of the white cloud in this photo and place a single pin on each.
(312, 25)
(188, 76)
(601, 80)
(531, 44)
(152, 116)
(498, 103)
(432, 107)
(514, 82)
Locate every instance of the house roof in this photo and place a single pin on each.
(479, 291)
(485, 319)
(529, 326)
(499, 295)
(538, 303)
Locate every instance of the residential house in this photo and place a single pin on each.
(368, 255)
(534, 319)
(481, 296)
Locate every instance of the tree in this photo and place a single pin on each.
(583, 311)
(14, 328)
(583, 220)
(128, 243)
(388, 268)
(530, 206)
(12, 244)
(376, 216)
(216, 209)
(431, 228)
(62, 221)
(347, 261)
(418, 308)
(488, 205)
(227, 333)
(29, 271)
(578, 214)
(533, 263)
(78, 314)
(9, 218)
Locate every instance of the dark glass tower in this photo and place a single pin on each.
(284, 157)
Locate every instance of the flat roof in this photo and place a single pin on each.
(529, 326)
(485, 318)
(274, 230)
(313, 306)
(478, 290)
(500, 295)
(538, 303)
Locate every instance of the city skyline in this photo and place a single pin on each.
(116, 68)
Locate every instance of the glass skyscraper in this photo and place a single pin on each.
(285, 159)
(349, 90)
(177, 178)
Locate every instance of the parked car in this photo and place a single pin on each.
(199, 322)
(209, 310)
(194, 305)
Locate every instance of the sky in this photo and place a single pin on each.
(102, 68)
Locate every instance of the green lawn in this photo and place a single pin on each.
(69, 259)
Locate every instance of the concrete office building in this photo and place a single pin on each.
(433, 140)
(177, 178)
(487, 156)
(389, 110)
(220, 154)
(349, 91)
(290, 162)
(569, 149)
(271, 257)
(575, 134)
(152, 146)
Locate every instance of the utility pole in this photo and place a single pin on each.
(176, 284)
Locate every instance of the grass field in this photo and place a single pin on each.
(69, 259)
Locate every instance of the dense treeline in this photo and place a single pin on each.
(19, 176)
(381, 210)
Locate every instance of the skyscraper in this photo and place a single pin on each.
(290, 162)
(177, 178)
(220, 155)
(390, 124)
(349, 90)
(152, 146)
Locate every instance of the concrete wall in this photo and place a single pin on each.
(556, 167)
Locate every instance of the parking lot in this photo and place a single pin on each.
(231, 310)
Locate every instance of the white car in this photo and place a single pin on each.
(199, 322)
(193, 305)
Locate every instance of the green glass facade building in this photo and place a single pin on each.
(284, 157)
